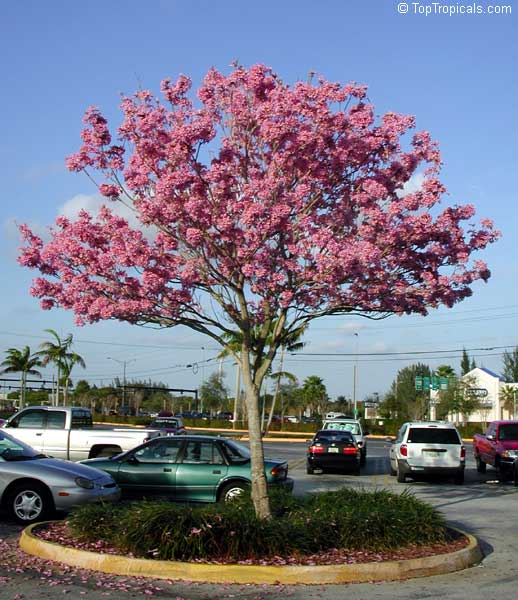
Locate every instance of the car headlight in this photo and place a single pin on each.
(510, 453)
(87, 484)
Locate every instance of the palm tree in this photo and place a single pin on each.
(57, 351)
(67, 365)
(22, 361)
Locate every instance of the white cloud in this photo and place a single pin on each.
(414, 184)
(92, 203)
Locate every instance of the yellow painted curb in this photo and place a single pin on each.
(162, 569)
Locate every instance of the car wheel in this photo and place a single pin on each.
(232, 491)
(481, 465)
(459, 478)
(29, 503)
(309, 470)
(401, 477)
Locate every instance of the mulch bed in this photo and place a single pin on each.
(59, 534)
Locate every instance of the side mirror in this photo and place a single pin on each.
(490, 437)
(133, 460)
(11, 424)
(366, 432)
(391, 440)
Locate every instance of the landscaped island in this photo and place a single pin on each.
(339, 527)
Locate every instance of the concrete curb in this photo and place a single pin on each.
(325, 574)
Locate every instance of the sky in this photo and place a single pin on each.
(456, 72)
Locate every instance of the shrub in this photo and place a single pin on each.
(352, 519)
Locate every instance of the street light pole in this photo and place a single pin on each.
(123, 363)
(355, 375)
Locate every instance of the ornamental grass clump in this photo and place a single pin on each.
(232, 532)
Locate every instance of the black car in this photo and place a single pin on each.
(336, 450)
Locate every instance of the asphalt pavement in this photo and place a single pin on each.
(483, 506)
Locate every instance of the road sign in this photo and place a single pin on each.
(419, 384)
(477, 392)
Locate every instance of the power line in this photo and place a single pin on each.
(410, 352)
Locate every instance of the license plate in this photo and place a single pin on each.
(335, 450)
(433, 452)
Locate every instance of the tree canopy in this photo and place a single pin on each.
(262, 206)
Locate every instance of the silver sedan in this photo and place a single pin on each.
(33, 485)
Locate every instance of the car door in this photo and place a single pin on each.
(29, 427)
(55, 440)
(150, 470)
(488, 446)
(200, 471)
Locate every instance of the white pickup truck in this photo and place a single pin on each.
(68, 432)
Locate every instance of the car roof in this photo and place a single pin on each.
(342, 420)
(197, 438)
(432, 424)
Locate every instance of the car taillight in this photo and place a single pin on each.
(279, 470)
(404, 450)
(316, 449)
(349, 451)
(463, 451)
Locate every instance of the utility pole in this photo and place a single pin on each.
(355, 376)
(123, 363)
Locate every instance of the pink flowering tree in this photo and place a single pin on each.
(263, 207)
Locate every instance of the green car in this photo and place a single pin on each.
(188, 468)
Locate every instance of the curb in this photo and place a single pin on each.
(256, 574)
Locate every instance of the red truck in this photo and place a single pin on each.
(498, 448)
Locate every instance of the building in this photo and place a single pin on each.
(490, 388)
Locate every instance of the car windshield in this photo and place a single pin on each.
(236, 452)
(508, 432)
(164, 423)
(430, 435)
(12, 449)
(354, 428)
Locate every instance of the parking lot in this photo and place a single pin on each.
(482, 506)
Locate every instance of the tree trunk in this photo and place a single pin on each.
(259, 488)
(22, 391)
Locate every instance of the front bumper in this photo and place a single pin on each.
(413, 470)
(77, 496)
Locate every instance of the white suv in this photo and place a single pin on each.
(355, 427)
(428, 448)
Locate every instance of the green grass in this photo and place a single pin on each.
(351, 519)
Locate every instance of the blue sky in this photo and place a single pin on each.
(456, 73)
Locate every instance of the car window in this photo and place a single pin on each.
(235, 452)
(56, 419)
(428, 435)
(81, 419)
(491, 430)
(165, 423)
(202, 453)
(508, 432)
(337, 426)
(32, 419)
(166, 450)
(401, 434)
(12, 449)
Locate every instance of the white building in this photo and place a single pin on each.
(492, 403)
